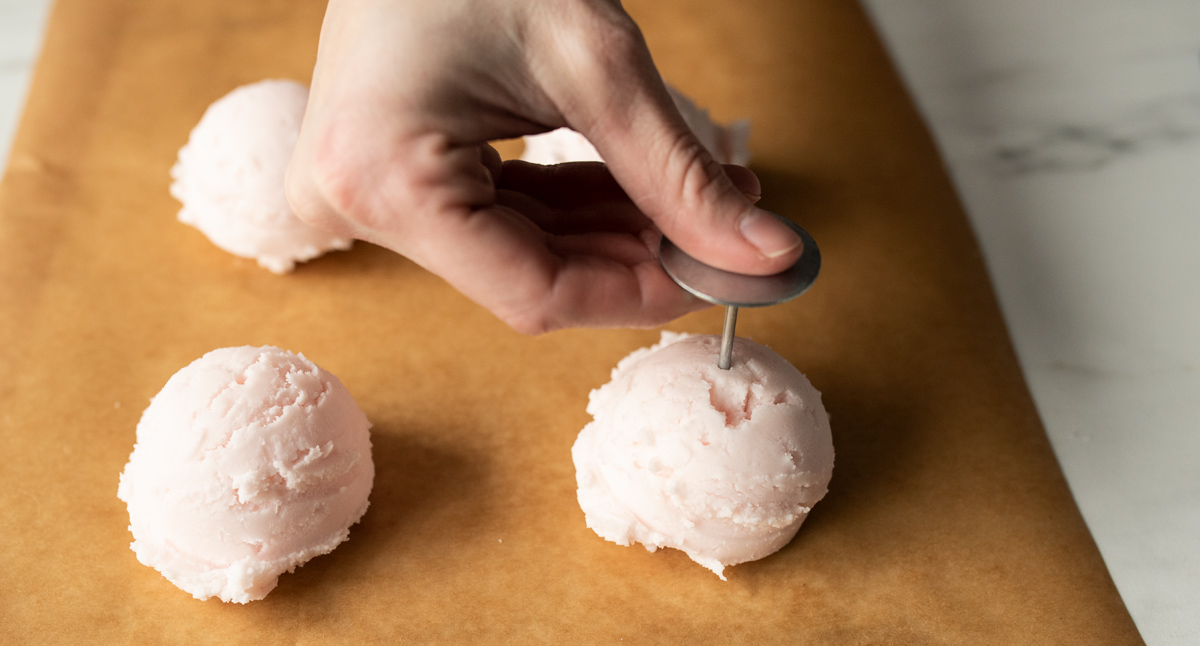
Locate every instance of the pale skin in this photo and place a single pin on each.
(393, 150)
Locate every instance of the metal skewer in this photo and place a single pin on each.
(733, 290)
(726, 359)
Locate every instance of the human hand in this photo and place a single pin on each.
(393, 150)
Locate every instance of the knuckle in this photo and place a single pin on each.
(621, 46)
(530, 322)
(336, 174)
(533, 309)
(697, 175)
(606, 37)
(361, 178)
(621, 41)
(298, 191)
(306, 201)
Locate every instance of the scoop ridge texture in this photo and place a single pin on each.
(230, 177)
(723, 465)
(248, 463)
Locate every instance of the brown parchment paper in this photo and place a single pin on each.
(948, 520)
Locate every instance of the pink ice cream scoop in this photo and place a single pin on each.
(230, 177)
(722, 464)
(248, 463)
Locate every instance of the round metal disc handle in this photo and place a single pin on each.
(735, 290)
(722, 287)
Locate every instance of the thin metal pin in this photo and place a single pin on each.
(726, 359)
(733, 290)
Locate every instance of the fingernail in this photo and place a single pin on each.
(772, 237)
(752, 197)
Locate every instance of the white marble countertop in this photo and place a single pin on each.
(1072, 130)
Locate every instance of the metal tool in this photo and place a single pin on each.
(733, 290)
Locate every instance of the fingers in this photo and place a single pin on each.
(582, 261)
(655, 157)
(562, 185)
(575, 183)
(424, 199)
(490, 158)
(569, 198)
(584, 196)
(536, 282)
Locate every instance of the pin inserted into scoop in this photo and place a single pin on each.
(733, 290)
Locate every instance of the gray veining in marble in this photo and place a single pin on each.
(1068, 146)
(1072, 131)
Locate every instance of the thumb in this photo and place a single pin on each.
(673, 179)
